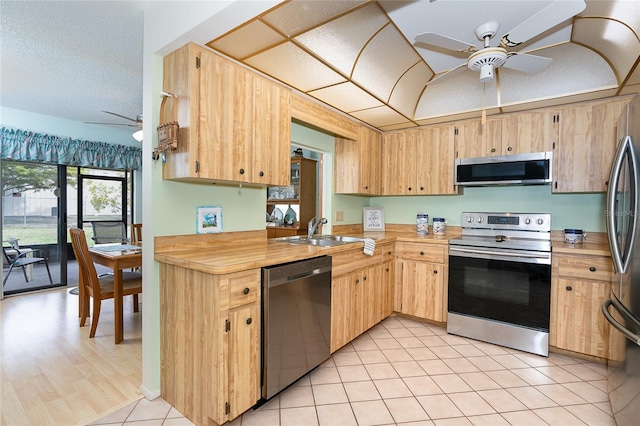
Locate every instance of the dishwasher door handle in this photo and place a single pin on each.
(296, 277)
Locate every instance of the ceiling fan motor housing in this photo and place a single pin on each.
(486, 60)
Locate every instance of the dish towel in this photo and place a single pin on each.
(369, 246)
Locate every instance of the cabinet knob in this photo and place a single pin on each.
(592, 268)
(246, 290)
(422, 188)
(409, 188)
(493, 150)
(510, 149)
(241, 171)
(387, 269)
(435, 271)
(357, 280)
(364, 278)
(366, 187)
(421, 253)
(261, 173)
(568, 288)
(249, 320)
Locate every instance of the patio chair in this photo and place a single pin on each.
(21, 258)
(106, 232)
(98, 288)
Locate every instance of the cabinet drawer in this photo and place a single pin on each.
(424, 252)
(388, 253)
(586, 267)
(352, 260)
(244, 288)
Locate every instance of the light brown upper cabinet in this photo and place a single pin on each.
(517, 133)
(418, 161)
(586, 146)
(235, 126)
(357, 163)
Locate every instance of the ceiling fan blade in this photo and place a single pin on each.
(112, 124)
(448, 74)
(550, 16)
(121, 116)
(527, 63)
(445, 42)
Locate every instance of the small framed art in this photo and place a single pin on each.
(209, 219)
(373, 218)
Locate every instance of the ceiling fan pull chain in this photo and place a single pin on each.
(484, 110)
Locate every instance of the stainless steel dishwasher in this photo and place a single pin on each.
(296, 321)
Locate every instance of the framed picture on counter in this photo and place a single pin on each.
(209, 219)
(373, 218)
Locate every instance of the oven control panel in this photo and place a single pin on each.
(540, 222)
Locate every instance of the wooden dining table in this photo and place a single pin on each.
(117, 257)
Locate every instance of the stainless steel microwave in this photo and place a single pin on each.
(519, 169)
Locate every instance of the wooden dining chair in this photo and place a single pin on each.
(136, 233)
(98, 288)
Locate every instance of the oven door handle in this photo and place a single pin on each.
(499, 253)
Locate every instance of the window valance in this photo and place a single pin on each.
(28, 146)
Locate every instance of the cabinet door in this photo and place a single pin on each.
(586, 146)
(399, 173)
(271, 133)
(474, 139)
(225, 122)
(422, 290)
(370, 176)
(530, 132)
(372, 297)
(244, 358)
(341, 312)
(435, 156)
(580, 326)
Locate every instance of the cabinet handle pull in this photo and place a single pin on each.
(568, 288)
(261, 173)
(249, 321)
(246, 290)
(592, 268)
(421, 253)
(241, 171)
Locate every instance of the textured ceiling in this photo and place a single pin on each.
(73, 59)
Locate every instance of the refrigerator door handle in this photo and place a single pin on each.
(625, 148)
(624, 312)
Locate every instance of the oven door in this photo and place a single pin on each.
(509, 286)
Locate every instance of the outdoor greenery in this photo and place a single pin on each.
(31, 234)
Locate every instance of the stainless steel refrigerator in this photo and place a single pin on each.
(622, 310)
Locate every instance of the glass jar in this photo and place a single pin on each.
(439, 225)
(422, 224)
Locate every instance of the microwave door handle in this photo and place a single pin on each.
(621, 328)
(612, 191)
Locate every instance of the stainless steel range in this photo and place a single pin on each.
(500, 280)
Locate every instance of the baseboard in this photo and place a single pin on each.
(150, 394)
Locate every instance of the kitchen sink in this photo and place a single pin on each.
(320, 240)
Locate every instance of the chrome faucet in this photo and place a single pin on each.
(313, 225)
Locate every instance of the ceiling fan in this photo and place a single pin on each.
(488, 58)
(137, 135)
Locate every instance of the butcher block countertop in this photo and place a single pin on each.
(238, 251)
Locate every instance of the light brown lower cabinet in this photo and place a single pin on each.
(209, 342)
(579, 286)
(423, 271)
(361, 295)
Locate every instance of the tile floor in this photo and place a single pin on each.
(407, 372)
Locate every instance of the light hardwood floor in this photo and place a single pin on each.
(52, 373)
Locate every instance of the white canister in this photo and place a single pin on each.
(422, 223)
(439, 225)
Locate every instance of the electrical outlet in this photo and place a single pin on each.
(339, 216)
